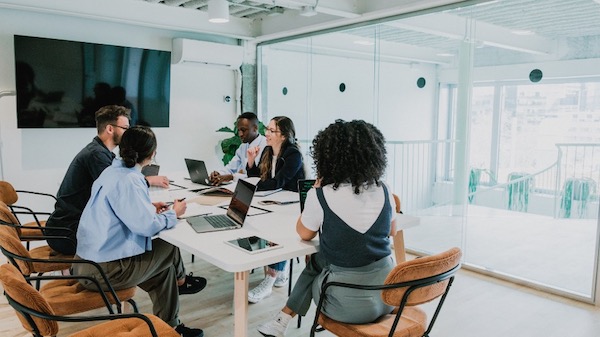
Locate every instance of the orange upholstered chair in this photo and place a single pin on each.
(408, 285)
(9, 196)
(38, 317)
(64, 293)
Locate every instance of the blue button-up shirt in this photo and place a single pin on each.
(119, 219)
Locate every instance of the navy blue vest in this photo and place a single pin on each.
(343, 246)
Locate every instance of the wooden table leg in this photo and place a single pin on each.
(240, 304)
(399, 247)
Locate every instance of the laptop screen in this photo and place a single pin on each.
(303, 186)
(241, 200)
(197, 171)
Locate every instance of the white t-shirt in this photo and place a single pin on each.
(359, 211)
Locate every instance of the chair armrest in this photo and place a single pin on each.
(27, 211)
(44, 230)
(111, 290)
(76, 277)
(110, 317)
(37, 193)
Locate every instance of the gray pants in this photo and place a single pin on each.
(342, 304)
(155, 271)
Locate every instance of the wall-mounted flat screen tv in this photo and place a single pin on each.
(61, 84)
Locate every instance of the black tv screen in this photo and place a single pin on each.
(61, 84)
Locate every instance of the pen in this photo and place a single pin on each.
(169, 203)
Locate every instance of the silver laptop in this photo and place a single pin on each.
(197, 171)
(236, 212)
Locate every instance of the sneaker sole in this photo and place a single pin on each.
(282, 284)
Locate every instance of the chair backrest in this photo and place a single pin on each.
(8, 195)
(18, 290)
(420, 268)
(10, 243)
(6, 215)
(398, 204)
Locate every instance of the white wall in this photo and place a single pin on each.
(36, 159)
(396, 105)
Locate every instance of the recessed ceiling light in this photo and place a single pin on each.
(522, 32)
(364, 42)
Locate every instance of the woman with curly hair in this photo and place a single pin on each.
(352, 210)
(281, 166)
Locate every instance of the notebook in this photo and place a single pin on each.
(150, 170)
(303, 186)
(236, 212)
(197, 171)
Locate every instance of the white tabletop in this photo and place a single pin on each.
(278, 226)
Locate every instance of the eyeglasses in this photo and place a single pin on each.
(272, 130)
(122, 127)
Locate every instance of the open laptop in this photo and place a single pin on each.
(197, 171)
(236, 212)
(303, 186)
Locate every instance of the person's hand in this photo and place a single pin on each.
(317, 183)
(159, 181)
(213, 178)
(179, 207)
(160, 206)
(221, 179)
(252, 153)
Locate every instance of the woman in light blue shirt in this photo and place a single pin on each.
(116, 230)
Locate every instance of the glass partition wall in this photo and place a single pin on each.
(491, 113)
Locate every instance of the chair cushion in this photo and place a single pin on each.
(47, 253)
(412, 324)
(18, 289)
(417, 269)
(32, 231)
(68, 297)
(128, 327)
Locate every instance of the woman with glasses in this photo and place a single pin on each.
(281, 166)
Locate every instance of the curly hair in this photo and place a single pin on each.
(137, 144)
(349, 152)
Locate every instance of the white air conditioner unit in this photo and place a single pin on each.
(206, 53)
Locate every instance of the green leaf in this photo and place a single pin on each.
(226, 129)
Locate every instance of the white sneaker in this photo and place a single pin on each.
(275, 327)
(281, 279)
(264, 289)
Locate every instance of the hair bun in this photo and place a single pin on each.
(129, 157)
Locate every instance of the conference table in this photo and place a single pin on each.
(275, 223)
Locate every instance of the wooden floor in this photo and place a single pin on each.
(476, 306)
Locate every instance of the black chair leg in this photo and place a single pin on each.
(193, 258)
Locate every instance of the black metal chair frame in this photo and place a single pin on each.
(412, 286)
(12, 257)
(29, 210)
(28, 313)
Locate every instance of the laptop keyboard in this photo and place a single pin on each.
(219, 221)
